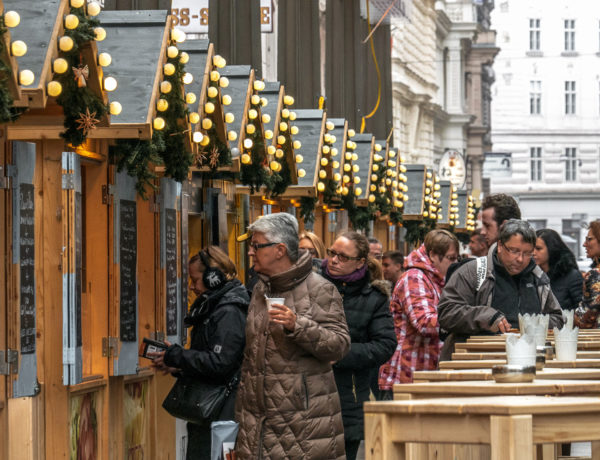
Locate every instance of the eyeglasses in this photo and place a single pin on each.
(341, 257)
(257, 246)
(515, 252)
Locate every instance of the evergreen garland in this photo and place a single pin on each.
(330, 195)
(74, 100)
(7, 111)
(222, 148)
(416, 230)
(307, 209)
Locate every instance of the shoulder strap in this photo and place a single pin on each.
(481, 271)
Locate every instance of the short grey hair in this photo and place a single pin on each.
(517, 227)
(280, 227)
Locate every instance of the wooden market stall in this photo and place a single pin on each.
(87, 284)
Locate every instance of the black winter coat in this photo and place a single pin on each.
(568, 289)
(373, 341)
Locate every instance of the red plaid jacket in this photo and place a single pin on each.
(414, 308)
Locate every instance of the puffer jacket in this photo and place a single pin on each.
(463, 310)
(367, 309)
(414, 307)
(287, 403)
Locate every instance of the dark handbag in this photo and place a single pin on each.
(197, 402)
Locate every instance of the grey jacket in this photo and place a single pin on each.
(463, 310)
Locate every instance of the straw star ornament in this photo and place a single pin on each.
(87, 121)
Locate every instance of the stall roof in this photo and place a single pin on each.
(364, 150)
(271, 93)
(137, 41)
(311, 126)
(340, 131)
(241, 79)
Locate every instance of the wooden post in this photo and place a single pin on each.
(378, 440)
(511, 437)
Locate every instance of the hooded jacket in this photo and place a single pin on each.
(287, 403)
(464, 310)
(414, 308)
(366, 305)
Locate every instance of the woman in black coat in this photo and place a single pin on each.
(367, 310)
(218, 321)
(558, 262)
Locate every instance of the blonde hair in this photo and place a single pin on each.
(315, 241)
(438, 241)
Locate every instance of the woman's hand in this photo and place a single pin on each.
(280, 314)
(158, 361)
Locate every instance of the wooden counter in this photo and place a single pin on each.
(486, 374)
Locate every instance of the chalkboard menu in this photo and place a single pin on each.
(127, 264)
(27, 266)
(415, 181)
(445, 198)
(463, 200)
(78, 263)
(171, 269)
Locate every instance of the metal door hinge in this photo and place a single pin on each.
(6, 173)
(68, 181)
(9, 362)
(69, 356)
(108, 192)
(110, 347)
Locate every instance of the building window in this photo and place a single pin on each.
(570, 94)
(570, 164)
(535, 154)
(534, 34)
(569, 34)
(535, 97)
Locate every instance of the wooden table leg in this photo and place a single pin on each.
(378, 439)
(511, 437)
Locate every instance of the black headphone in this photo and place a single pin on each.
(213, 277)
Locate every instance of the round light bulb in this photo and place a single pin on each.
(258, 85)
(371, 198)
(285, 113)
(212, 92)
(268, 134)
(219, 61)
(246, 159)
(169, 69)
(187, 78)
(158, 123)
(378, 147)
(115, 108)
(223, 82)
(374, 177)
(194, 118)
(165, 87)
(18, 48)
(205, 141)
(99, 33)
(355, 168)
(348, 156)
(324, 161)
(60, 65)
(329, 125)
(294, 130)
(292, 116)
(110, 84)
(250, 128)
(190, 98)
(297, 145)
(326, 149)
(65, 43)
(172, 52)
(334, 152)
(178, 35)
(226, 99)
(209, 107)
(301, 172)
(283, 126)
(77, 3)
(184, 58)
(71, 21)
(335, 164)
(207, 123)
(274, 165)
(54, 88)
(93, 9)
(252, 114)
(358, 191)
(232, 136)
(320, 186)
(271, 150)
(26, 77)
(255, 99)
(347, 167)
(322, 174)
(373, 188)
(299, 158)
(281, 140)
(197, 137)
(351, 133)
(354, 157)
(248, 143)
(288, 100)
(337, 177)
(11, 19)
(264, 102)
(214, 76)
(104, 59)
(229, 117)
(266, 118)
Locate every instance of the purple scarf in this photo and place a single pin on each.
(354, 276)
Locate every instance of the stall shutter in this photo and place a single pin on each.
(72, 268)
(170, 254)
(125, 259)
(23, 205)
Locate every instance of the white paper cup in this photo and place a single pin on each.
(528, 360)
(272, 300)
(566, 350)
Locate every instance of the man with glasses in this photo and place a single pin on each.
(487, 294)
